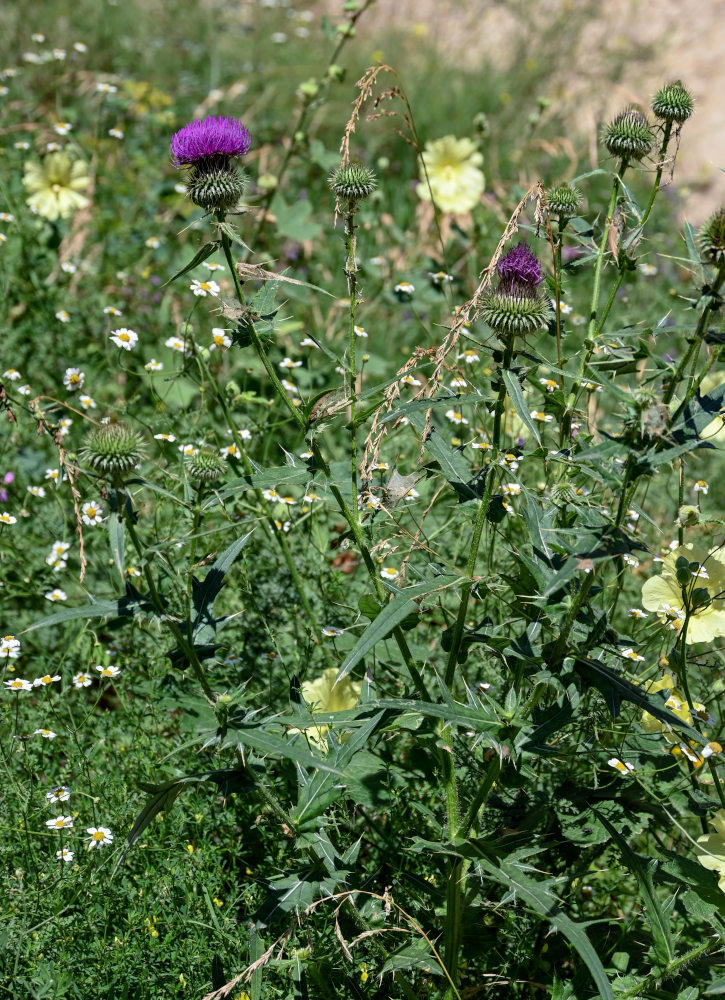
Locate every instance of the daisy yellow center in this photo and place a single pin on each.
(98, 835)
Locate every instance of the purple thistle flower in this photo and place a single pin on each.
(209, 137)
(520, 266)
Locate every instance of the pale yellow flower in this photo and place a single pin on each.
(713, 848)
(714, 432)
(56, 186)
(456, 183)
(677, 704)
(324, 695)
(663, 594)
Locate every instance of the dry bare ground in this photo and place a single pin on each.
(621, 52)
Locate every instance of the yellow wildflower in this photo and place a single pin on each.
(55, 186)
(456, 183)
(324, 695)
(713, 848)
(663, 594)
(677, 704)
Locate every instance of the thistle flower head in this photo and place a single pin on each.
(353, 182)
(205, 466)
(211, 146)
(711, 238)
(209, 137)
(517, 306)
(564, 200)
(673, 103)
(629, 135)
(112, 449)
(520, 266)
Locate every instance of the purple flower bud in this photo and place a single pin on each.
(209, 137)
(9, 477)
(520, 266)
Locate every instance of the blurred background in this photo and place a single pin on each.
(545, 74)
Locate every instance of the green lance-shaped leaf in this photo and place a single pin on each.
(654, 913)
(517, 398)
(402, 605)
(206, 251)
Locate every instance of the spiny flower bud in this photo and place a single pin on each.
(205, 466)
(564, 492)
(673, 103)
(511, 312)
(564, 200)
(711, 238)
(112, 449)
(353, 182)
(215, 186)
(629, 135)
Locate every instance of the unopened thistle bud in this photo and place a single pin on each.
(564, 492)
(205, 466)
(517, 306)
(711, 238)
(687, 516)
(210, 147)
(353, 182)
(564, 200)
(673, 103)
(113, 449)
(629, 135)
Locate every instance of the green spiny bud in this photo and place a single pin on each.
(629, 135)
(112, 449)
(673, 103)
(711, 238)
(205, 466)
(353, 182)
(564, 492)
(518, 311)
(215, 185)
(687, 516)
(564, 200)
